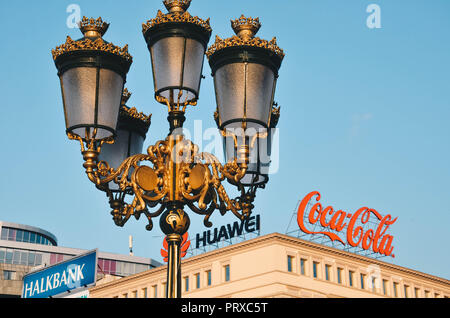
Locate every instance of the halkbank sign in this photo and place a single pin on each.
(77, 272)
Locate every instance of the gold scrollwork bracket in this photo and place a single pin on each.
(199, 183)
(177, 105)
(202, 183)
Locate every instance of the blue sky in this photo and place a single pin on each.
(364, 118)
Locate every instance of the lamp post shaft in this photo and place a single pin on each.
(174, 267)
(176, 120)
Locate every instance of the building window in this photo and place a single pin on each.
(416, 292)
(302, 266)
(26, 236)
(31, 258)
(54, 258)
(19, 236)
(135, 294)
(186, 283)
(9, 257)
(38, 259)
(374, 280)
(155, 291)
(315, 269)
(12, 235)
(9, 275)
(144, 292)
(363, 278)
(350, 278)
(427, 294)
(384, 287)
(339, 275)
(16, 257)
(227, 273)
(208, 278)
(23, 258)
(125, 295)
(327, 272)
(406, 287)
(395, 285)
(289, 263)
(109, 266)
(197, 280)
(4, 234)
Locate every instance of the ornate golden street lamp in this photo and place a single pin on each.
(173, 173)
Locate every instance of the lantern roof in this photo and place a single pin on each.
(177, 14)
(245, 29)
(132, 117)
(93, 30)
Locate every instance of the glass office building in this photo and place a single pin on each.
(24, 247)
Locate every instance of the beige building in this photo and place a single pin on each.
(278, 265)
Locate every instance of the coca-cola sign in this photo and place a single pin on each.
(347, 228)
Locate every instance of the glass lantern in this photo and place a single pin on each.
(92, 73)
(245, 71)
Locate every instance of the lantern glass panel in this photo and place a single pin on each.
(127, 143)
(230, 91)
(79, 97)
(259, 87)
(244, 91)
(177, 65)
(85, 106)
(167, 62)
(109, 98)
(195, 54)
(137, 143)
(259, 154)
(265, 151)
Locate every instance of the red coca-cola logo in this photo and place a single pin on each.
(352, 233)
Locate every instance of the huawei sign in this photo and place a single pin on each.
(345, 226)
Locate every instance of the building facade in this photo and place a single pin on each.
(23, 248)
(278, 265)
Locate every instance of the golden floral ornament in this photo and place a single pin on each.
(245, 29)
(93, 25)
(275, 115)
(216, 117)
(134, 113)
(125, 96)
(177, 5)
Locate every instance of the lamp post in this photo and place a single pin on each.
(173, 174)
